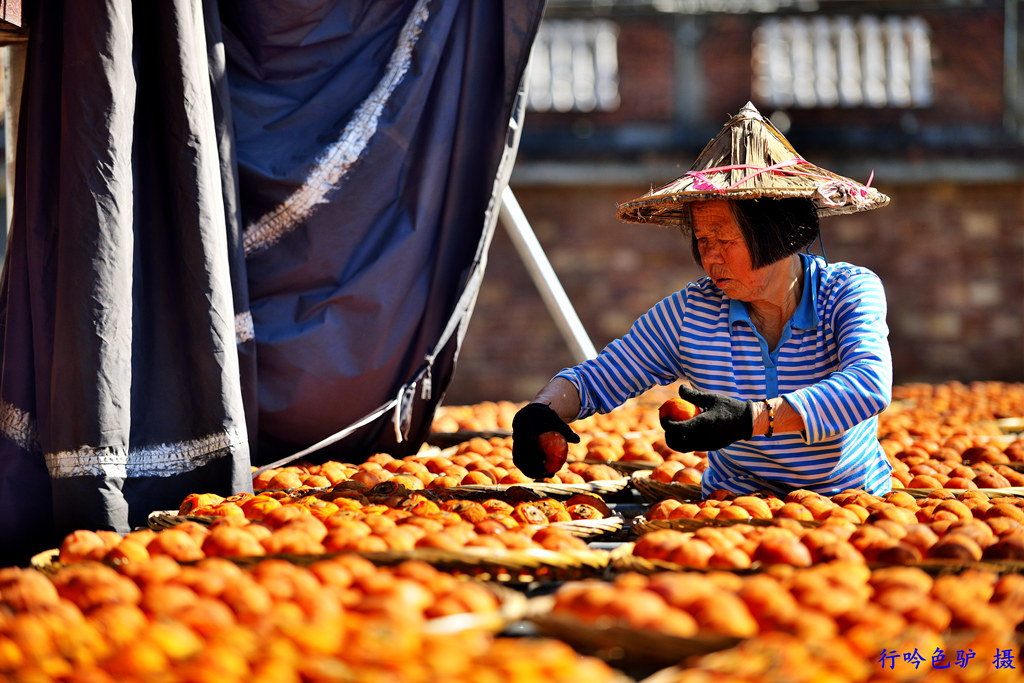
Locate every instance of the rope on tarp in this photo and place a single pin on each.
(333, 438)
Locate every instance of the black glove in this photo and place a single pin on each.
(721, 421)
(529, 423)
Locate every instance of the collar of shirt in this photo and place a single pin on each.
(806, 315)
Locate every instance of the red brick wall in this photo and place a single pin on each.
(967, 70)
(951, 258)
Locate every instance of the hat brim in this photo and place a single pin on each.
(751, 159)
(670, 208)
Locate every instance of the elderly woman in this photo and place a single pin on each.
(785, 354)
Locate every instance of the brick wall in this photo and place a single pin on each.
(967, 47)
(951, 258)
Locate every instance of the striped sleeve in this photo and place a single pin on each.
(646, 356)
(861, 387)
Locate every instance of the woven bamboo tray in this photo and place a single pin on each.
(656, 490)
(511, 492)
(487, 564)
(1015, 466)
(1011, 425)
(591, 529)
(938, 566)
(582, 528)
(512, 607)
(669, 674)
(627, 467)
(1015, 491)
(642, 525)
(998, 440)
(448, 439)
(46, 561)
(622, 559)
(601, 488)
(625, 647)
(168, 519)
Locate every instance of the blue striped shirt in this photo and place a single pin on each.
(832, 365)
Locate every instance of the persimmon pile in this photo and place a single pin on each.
(476, 462)
(246, 526)
(337, 619)
(321, 573)
(867, 606)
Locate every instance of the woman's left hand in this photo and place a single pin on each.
(721, 421)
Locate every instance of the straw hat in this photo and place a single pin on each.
(750, 159)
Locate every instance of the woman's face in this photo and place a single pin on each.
(724, 254)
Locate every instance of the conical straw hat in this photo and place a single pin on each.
(750, 159)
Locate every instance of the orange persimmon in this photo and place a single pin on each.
(677, 410)
(555, 449)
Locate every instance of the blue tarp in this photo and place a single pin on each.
(369, 139)
(240, 227)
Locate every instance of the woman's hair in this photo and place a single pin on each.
(772, 228)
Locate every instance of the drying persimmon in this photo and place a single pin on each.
(677, 410)
(555, 449)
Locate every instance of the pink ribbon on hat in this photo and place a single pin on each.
(702, 182)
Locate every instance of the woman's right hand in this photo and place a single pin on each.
(529, 423)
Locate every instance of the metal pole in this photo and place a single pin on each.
(536, 262)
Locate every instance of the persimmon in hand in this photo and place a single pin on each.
(555, 449)
(677, 410)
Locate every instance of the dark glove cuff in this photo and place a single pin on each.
(748, 415)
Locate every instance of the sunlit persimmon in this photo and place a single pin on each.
(198, 500)
(177, 544)
(225, 541)
(286, 480)
(24, 589)
(599, 473)
(469, 510)
(757, 507)
(555, 449)
(258, 506)
(554, 510)
(529, 513)
(370, 477)
(553, 538)
(478, 478)
(677, 410)
(658, 544)
(128, 551)
(84, 544)
(992, 480)
(583, 511)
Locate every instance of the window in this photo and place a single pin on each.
(842, 61)
(574, 67)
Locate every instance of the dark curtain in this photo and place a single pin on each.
(240, 229)
(122, 387)
(370, 137)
